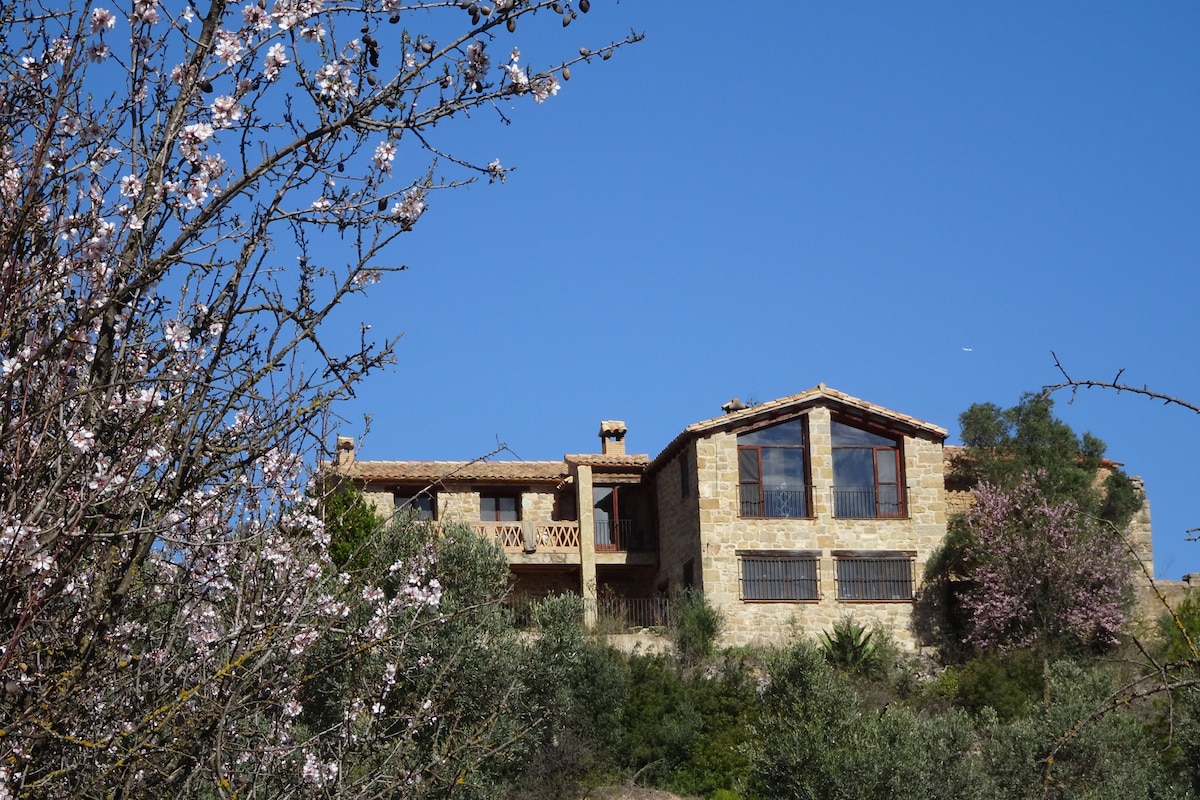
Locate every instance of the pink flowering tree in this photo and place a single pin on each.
(164, 377)
(1042, 573)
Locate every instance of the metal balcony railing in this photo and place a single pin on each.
(870, 502)
(756, 501)
(622, 536)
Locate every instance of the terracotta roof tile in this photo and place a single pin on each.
(807, 397)
(610, 460)
(433, 471)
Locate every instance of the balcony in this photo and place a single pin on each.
(772, 503)
(622, 536)
(870, 502)
(553, 537)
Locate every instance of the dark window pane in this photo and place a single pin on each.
(785, 433)
(783, 467)
(853, 483)
(508, 510)
(847, 436)
(750, 495)
(852, 467)
(886, 461)
(889, 501)
(748, 464)
(499, 508)
(603, 500)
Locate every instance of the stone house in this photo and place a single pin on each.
(788, 515)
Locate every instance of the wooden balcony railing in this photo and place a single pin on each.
(543, 536)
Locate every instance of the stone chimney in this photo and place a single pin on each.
(345, 451)
(612, 437)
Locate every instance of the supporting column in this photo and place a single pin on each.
(587, 543)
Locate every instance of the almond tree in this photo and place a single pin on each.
(164, 172)
(1040, 572)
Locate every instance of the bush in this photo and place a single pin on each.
(816, 740)
(695, 626)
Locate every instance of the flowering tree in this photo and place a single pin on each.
(164, 172)
(1040, 572)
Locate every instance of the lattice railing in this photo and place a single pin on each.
(547, 535)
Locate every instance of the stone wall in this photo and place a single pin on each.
(724, 532)
(678, 522)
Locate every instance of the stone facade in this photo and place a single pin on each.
(710, 529)
(702, 534)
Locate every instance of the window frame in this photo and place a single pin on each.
(878, 487)
(625, 532)
(879, 587)
(498, 496)
(805, 492)
(781, 562)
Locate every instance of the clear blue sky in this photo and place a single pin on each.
(762, 197)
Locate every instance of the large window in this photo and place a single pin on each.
(499, 508)
(779, 575)
(773, 471)
(874, 575)
(866, 474)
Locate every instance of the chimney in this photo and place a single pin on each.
(734, 405)
(345, 451)
(612, 437)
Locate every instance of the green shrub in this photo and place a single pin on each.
(695, 626)
(816, 740)
(1007, 683)
(1175, 645)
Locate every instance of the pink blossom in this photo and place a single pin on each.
(229, 47)
(81, 440)
(145, 11)
(276, 58)
(410, 209)
(225, 111)
(102, 20)
(333, 80)
(545, 87)
(255, 17)
(178, 334)
(131, 186)
(385, 153)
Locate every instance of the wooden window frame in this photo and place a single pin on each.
(500, 495)
(896, 449)
(760, 500)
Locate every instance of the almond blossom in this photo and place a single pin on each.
(168, 373)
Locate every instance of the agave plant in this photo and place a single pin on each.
(850, 648)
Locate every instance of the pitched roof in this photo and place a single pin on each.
(810, 397)
(435, 471)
